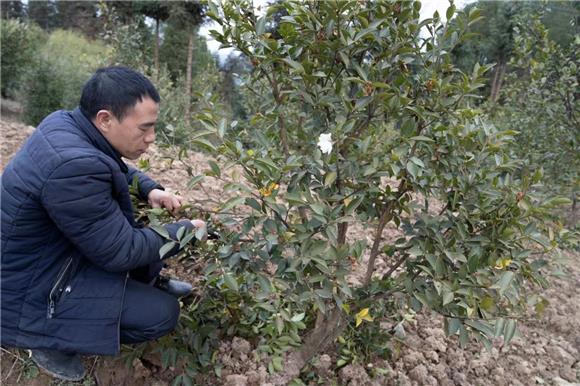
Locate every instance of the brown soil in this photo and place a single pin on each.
(547, 351)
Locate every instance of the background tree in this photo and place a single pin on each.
(562, 20)
(44, 13)
(186, 16)
(20, 43)
(234, 71)
(80, 16)
(12, 9)
(548, 116)
(158, 11)
(494, 43)
(125, 30)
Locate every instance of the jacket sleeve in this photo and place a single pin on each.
(78, 196)
(146, 183)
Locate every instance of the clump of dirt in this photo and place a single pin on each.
(241, 365)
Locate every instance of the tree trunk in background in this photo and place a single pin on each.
(156, 50)
(188, 74)
(497, 80)
(573, 219)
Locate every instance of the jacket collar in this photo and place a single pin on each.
(97, 138)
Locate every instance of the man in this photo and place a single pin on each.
(78, 274)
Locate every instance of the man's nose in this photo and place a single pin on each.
(150, 137)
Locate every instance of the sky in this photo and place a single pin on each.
(428, 7)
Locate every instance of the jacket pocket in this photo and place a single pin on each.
(60, 285)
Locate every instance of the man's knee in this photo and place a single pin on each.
(166, 320)
(172, 315)
(148, 315)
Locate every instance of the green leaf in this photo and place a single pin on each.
(355, 203)
(160, 230)
(417, 162)
(341, 362)
(324, 293)
(260, 25)
(200, 233)
(253, 203)
(509, 331)
(232, 202)
(277, 364)
(329, 178)
(504, 282)
(187, 239)
(264, 284)
(317, 208)
(180, 232)
(164, 250)
(450, 12)
(214, 168)
(413, 169)
(499, 327)
(294, 64)
(231, 282)
(453, 326)
(194, 181)
(481, 326)
(421, 138)
(447, 297)
(298, 317)
(205, 144)
(186, 380)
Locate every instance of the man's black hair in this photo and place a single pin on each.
(116, 89)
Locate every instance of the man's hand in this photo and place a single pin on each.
(161, 199)
(200, 224)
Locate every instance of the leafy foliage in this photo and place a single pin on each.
(547, 117)
(409, 146)
(19, 44)
(131, 42)
(494, 35)
(405, 137)
(58, 72)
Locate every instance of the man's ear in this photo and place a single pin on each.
(103, 120)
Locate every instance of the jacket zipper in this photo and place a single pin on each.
(57, 287)
(120, 312)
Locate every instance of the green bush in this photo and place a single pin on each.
(547, 118)
(19, 44)
(58, 73)
(174, 127)
(355, 123)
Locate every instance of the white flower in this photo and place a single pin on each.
(325, 143)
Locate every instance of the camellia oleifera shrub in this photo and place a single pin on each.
(549, 115)
(358, 120)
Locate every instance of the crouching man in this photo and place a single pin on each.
(79, 276)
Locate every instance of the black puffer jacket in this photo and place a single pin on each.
(69, 238)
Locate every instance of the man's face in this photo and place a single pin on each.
(132, 135)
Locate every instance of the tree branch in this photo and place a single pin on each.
(386, 216)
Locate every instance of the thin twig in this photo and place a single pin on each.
(386, 216)
(10, 371)
(11, 354)
(397, 265)
(94, 364)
